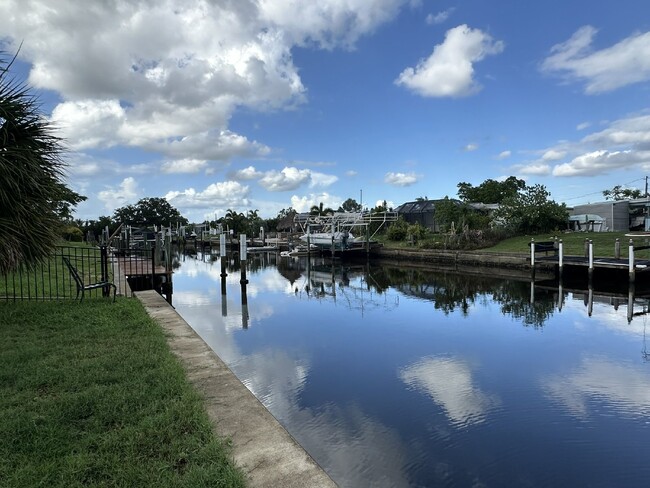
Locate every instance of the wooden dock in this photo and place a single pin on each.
(128, 271)
(640, 265)
(612, 268)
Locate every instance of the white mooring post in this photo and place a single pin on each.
(560, 256)
(532, 253)
(631, 261)
(591, 257)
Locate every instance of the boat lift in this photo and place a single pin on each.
(340, 221)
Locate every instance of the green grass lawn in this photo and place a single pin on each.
(90, 395)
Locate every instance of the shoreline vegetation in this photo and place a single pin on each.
(91, 395)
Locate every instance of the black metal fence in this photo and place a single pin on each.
(131, 270)
(52, 280)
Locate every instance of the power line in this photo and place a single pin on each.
(601, 192)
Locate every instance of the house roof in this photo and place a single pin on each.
(420, 206)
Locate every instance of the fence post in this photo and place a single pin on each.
(104, 267)
(153, 266)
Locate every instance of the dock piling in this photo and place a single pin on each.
(631, 267)
(617, 249)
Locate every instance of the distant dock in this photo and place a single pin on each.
(619, 269)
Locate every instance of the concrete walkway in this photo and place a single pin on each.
(266, 452)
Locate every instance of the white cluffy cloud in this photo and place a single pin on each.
(184, 166)
(125, 193)
(401, 179)
(304, 203)
(224, 194)
(449, 70)
(289, 178)
(167, 76)
(620, 65)
(440, 17)
(624, 144)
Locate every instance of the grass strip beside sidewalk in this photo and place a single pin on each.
(90, 395)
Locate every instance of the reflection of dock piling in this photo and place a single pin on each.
(243, 281)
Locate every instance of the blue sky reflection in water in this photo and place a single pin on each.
(398, 377)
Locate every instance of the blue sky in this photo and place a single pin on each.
(266, 104)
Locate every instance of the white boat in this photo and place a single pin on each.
(301, 250)
(339, 239)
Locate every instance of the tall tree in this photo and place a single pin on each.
(350, 205)
(620, 193)
(236, 221)
(531, 211)
(68, 200)
(31, 176)
(319, 210)
(490, 191)
(148, 212)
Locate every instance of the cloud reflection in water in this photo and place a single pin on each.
(449, 383)
(625, 388)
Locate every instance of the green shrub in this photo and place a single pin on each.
(72, 233)
(397, 230)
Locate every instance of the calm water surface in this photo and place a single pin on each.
(399, 377)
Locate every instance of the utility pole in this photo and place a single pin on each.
(646, 187)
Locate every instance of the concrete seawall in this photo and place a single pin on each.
(266, 452)
(466, 258)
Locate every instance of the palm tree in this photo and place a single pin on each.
(31, 174)
(235, 221)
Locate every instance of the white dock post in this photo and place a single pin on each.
(560, 256)
(532, 259)
(532, 253)
(630, 260)
(591, 258)
(242, 247)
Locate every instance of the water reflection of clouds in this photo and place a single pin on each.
(356, 449)
(259, 281)
(607, 315)
(449, 382)
(192, 298)
(625, 388)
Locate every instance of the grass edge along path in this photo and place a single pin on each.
(90, 395)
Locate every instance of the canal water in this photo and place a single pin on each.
(390, 376)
